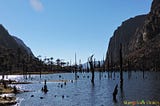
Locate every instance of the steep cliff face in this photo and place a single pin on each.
(151, 26)
(146, 45)
(124, 34)
(142, 47)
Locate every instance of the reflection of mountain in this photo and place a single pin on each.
(140, 37)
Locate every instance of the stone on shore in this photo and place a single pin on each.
(7, 100)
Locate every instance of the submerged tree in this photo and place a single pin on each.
(75, 67)
(121, 70)
(115, 93)
(90, 60)
(44, 89)
(108, 62)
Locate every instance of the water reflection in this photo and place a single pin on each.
(92, 95)
(64, 90)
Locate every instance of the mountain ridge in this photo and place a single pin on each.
(21, 43)
(141, 51)
(122, 36)
(12, 42)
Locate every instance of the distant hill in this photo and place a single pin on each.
(140, 39)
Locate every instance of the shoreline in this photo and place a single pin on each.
(36, 73)
(6, 91)
(57, 72)
(7, 100)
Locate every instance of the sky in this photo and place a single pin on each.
(61, 28)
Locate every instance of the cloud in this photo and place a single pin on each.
(36, 5)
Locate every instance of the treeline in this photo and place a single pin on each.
(17, 61)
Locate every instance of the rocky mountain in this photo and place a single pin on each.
(15, 56)
(124, 34)
(11, 42)
(21, 43)
(140, 39)
(6, 40)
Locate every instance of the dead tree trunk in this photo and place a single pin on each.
(75, 67)
(91, 68)
(121, 70)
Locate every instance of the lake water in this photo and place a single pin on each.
(137, 88)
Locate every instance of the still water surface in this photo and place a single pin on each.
(81, 92)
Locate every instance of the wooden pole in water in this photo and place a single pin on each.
(121, 70)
